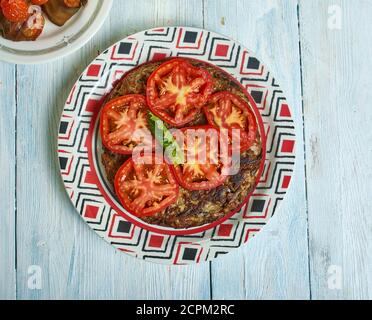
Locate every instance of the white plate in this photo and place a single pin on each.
(56, 42)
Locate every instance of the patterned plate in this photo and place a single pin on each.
(79, 147)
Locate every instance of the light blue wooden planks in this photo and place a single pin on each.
(7, 181)
(275, 264)
(336, 51)
(75, 263)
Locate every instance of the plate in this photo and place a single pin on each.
(79, 147)
(57, 42)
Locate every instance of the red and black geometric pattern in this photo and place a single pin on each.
(79, 146)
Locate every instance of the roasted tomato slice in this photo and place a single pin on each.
(227, 110)
(176, 91)
(146, 188)
(124, 124)
(203, 165)
(15, 10)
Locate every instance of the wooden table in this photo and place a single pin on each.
(319, 245)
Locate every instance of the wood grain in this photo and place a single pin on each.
(338, 115)
(75, 263)
(7, 181)
(290, 258)
(275, 264)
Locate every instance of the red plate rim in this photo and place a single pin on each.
(167, 230)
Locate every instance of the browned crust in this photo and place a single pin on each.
(193, 208)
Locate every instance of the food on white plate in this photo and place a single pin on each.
(24, 20)
(180, 97)
(60, 11)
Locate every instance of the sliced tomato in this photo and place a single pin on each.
(229, 111)
(147, 188)
(203, 167)
(122, 122)
(15, 10)
(176, 91)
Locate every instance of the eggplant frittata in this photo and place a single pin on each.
(192, 206)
